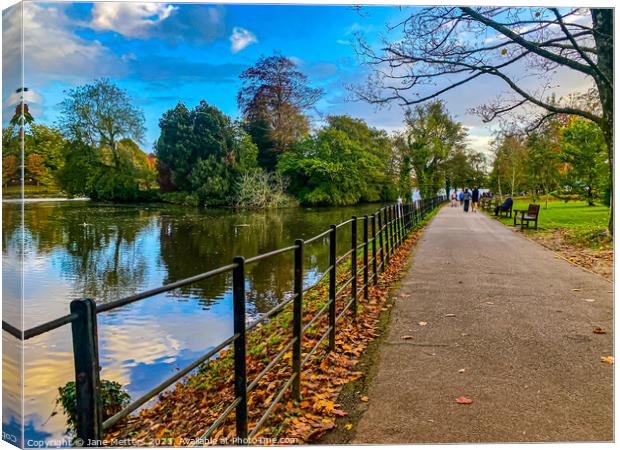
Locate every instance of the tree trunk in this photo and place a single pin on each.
(603, 27)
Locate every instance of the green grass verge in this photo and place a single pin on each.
(583, 225)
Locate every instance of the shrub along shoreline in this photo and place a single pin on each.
(183, 414)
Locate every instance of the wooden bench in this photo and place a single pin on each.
(525, 216)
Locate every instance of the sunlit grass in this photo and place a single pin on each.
(585, 225)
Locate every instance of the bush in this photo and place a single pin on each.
(260, 189)
(113, 399)
(181, 198)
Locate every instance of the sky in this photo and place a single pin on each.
(165, 53)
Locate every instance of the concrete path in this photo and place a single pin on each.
(523, 335)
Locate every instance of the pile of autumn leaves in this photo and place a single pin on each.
(187, 411)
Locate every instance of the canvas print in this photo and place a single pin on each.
(269, 224)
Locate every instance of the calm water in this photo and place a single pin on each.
(101, 251)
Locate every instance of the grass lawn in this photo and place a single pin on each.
(31, 191)
(582, 225)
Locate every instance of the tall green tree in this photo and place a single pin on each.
(544, 163)
(100, 114)
(335, 167)
(583, 150)
(204, 151)
(430, 137)
(273, 99)
(509, 164)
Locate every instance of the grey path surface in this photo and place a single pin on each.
(524, 337)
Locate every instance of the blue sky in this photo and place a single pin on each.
(164, 53)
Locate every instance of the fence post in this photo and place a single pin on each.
(373, 226)
(298, 291)
(86, 362)
(354, 265)
(395, 221)
(381, 252)
(365, 236)
(387, 234)
(393, 231)
(401, 223)
(332, 287)
(241, 381)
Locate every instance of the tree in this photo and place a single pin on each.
(583, 149)
(464, 168)
(333, 168)
(99, 114)
(203, 151)
(509, 164)
(430, 137)
(91, 171)
(273, 98)
(35, 170)
(448, 47)
(544, 164)
(10, 169)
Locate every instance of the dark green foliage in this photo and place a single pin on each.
(203, 152)
(113, 399)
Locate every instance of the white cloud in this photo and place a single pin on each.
(134, 20)
(51, 50)
(241, 38)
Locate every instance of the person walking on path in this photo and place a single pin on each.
(453, 197)
(475, 197)
(461, 198)
(466, 199)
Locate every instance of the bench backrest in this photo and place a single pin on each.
(532, 210)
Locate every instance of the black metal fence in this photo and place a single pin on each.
(382, 233)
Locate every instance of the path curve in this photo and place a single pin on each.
(522, 333)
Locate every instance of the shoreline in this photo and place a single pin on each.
(44, 199)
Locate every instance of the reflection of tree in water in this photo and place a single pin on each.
(99, 254)
(104, 253)
(196, 242)
(191, 244)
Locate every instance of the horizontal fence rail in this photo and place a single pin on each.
(382, 232)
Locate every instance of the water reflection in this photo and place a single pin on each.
(101, 251)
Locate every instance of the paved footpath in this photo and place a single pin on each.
(523, 335)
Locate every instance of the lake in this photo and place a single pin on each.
(83, 249)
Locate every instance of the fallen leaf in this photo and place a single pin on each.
(490, 303)
(406, 337)
(422, 324)
(464, 400)
(450, 315)
(607, 359)
(589, 300)
(348, 426)
(461, 370)
(576, 290)
(599, 330)
(364, 398)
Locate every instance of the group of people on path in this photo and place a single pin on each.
(465, 197)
